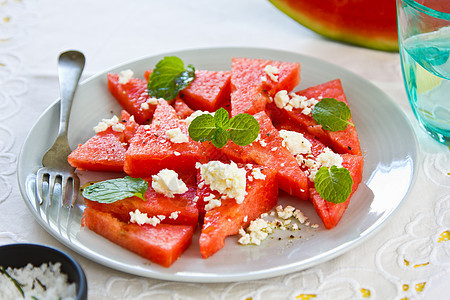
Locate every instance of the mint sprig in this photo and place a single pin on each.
(333, 184)
(332, 114)
(113, 190)
(169, 77)
(242, 129)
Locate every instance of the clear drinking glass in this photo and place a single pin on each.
(424, 39)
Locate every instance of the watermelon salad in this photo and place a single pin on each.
(212, 154)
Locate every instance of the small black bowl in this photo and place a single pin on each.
(19, 255)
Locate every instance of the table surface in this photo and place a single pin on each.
(409, 258)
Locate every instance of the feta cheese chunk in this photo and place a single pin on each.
(166, 182)
(272, 72)
(295, 142)
(228, 179)
(142, 218)
(106, 123)
(125, 76)
(176, 136)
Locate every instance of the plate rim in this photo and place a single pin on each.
(262, 274)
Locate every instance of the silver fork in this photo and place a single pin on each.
(56, 170)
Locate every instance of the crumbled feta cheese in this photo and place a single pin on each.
(166, 182)
(245, 218)
(195, 199)
(272, 72)
(257, 231)
(228, 179)
(176, 153)
(328, 158)
(212, 202)
(125, 76)
(285, 213)
(262, 143)
(176, 136)
(194, 115)
(106, 123)
(295, 142)
(142, 218)
(174, 215)
(281, 99)
(161, 217)
(289, 101)
(256, 174)
(152, 100)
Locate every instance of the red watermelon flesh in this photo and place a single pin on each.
(226, 219)
(150, 150)
(105, 151)
(343, 141)
(209, 91)
(156, 204)
(331, 213)
(249, 93)
(182, 109)
(131, 125)
(269, 151)
(161, 244)
(131, 96)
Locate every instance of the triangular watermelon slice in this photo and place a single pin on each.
(131, 96)
(161, 244)
(251, 85)
(155, 204)
(344, 141)
(151, 149)
(105, 151)
(229, 217)
(269, 151)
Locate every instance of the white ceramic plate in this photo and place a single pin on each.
(387, 140)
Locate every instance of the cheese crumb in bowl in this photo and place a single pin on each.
(41, 272)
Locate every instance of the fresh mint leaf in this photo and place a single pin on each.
(112, 190)
(333, 184)
(169, 77)
(220, 137)
(241, 129)
(332, 114)
(202, 128)
(222, 118)
(244, 129)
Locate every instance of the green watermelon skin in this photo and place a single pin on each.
(362, 23)
(162, 244)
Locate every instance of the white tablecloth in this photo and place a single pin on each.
(33, 33)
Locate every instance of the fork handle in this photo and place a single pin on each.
(70, 67)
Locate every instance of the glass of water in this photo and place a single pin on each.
(424, 39)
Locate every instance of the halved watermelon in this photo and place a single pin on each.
(225, 220)
(162, 244)
(150, 150)
(251, 85)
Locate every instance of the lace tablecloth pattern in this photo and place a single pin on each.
(409, 258)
